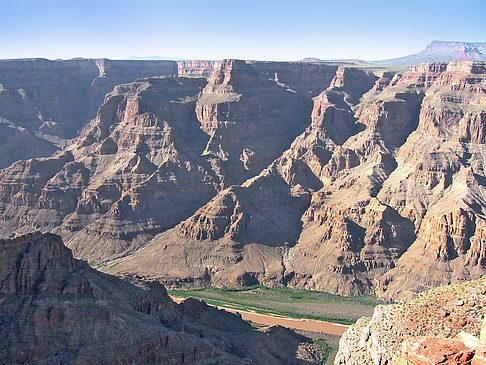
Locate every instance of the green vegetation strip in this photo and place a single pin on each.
(294, 303)
(326, 349)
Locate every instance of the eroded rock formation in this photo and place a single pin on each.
(43, 102)
(300, 174)
(58, 310)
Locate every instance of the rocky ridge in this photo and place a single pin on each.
(442, 326)
(59, 310)
(301, 174)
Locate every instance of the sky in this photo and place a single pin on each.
(245, 29)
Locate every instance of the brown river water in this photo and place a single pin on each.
(301, 324)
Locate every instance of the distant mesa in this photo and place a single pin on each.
(443, 51)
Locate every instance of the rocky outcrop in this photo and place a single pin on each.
(442, 326)
(58, 310)
(46, 101)
(466, 349)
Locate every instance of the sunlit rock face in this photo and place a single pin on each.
(444, 325)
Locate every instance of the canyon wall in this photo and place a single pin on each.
(43, 101)
(301, 174)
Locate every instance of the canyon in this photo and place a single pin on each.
(43, 102)
(314, 175)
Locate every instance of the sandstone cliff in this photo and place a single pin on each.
(196, 68)
(442, 326)
(58, 310)
(300, 174)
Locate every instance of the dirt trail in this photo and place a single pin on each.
(301, 324)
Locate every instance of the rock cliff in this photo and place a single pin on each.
(442, 326)
(300, 174)
(43, 101)
(58, 310)
(196, 68)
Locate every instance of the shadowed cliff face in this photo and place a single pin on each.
(58, 310)
(308, 175)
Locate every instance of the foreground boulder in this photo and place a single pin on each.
(58, 310)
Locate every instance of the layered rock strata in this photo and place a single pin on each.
(44, 102)
(307, 175)
(196, 68)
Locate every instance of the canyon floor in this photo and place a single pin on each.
(287, 302)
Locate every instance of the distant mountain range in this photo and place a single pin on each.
(437, 51)
(443, 51)
(151, 58)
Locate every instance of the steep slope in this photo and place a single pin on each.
(58, 310)
(123, 178)
(439, 185)
(435, 328)
(44, 102)
(443, 51)
(242, 236)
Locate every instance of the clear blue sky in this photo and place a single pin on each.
(249, 29)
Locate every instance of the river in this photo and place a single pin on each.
(301, 324)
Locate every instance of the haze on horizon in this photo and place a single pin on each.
(217, 29)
